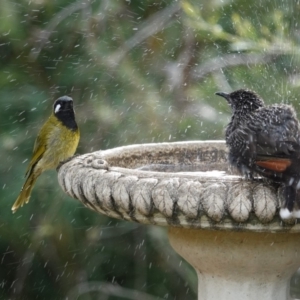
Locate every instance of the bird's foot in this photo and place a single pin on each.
(249, 176)
(65, 161)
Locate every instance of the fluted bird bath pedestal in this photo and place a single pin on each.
(227, 228)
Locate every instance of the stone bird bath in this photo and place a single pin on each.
(227, 228)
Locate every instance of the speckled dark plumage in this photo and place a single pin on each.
(265, 140)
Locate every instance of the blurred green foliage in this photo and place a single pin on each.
(138, 71)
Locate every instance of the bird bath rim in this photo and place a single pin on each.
(109, 183)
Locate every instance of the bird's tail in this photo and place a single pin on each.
(24, 195)
(291, 205)
(296, 211)
(290, 197)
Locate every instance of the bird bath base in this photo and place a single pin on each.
(227, 228)
(239, 265)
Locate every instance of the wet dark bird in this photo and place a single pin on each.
(56, 142)
(265, 140)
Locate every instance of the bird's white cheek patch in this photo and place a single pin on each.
(57, 108)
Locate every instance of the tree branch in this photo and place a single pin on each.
(44, 35)
(230, 60)
(151, 26)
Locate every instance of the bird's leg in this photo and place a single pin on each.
(246, 172)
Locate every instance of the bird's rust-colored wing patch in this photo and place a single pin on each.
(277, 165)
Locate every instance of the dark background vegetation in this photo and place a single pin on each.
(139, 72)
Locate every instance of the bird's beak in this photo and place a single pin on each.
(224, 95)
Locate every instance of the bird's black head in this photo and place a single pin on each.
(243, 100)
(63, 110)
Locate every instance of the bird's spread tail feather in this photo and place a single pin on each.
(291, 205)
(24, 196)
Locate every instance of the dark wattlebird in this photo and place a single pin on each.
(265, 140)
(56, 141)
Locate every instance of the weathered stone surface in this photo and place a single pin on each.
(189, 193)
(239, 201)
(265, 202)
(213, 200)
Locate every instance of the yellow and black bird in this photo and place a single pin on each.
(56, 141)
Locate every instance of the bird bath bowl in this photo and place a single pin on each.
(227, 228)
